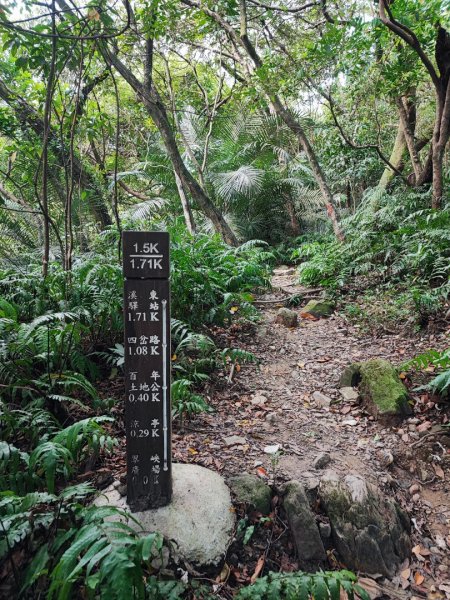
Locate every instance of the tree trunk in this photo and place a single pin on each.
(157, 112)
(155, 108)
(408, 123)
(187, 212)
(293, 221)
(29, 118)
(395, 159)
(296, 128)
(441, 135)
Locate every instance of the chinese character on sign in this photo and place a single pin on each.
(155, 426)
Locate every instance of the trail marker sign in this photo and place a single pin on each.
(146, 268)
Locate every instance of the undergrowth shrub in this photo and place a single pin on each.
(440, 360)
(58, 336)
(78, 548)
(392, 241)
(212, 282)
(390, 237)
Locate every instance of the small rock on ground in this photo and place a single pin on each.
(234, 440)
(370, 532)
(287, 317)
(321, 400)
(322, 460)
(383, 393)
(349, 394)
(318, 308)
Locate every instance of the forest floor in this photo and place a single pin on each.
(271, 403)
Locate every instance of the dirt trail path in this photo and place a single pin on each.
(272, 403)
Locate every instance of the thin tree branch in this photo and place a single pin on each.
(408, 36)
(352, 144)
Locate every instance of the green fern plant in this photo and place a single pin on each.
(301, 586)
(440, 384)
(106, 556)
(87, 548)
(184, 402)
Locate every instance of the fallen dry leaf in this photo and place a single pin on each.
(258, 568)
(261, 472)
(423, 426)
(224, 574)
(439, 471)
(420, 552)
(406, 573)
(306, 315)
(418, 578)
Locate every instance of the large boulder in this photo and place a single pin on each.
(303, 525)
(199, 519)
(318, 308)
(382, 391)
(369, 531)
(251, 490)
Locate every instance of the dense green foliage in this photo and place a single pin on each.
(397, 251)
(75, 545)
(256, 134)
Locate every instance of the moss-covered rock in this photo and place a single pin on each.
(250, 490)
(382, 390)
(318, 308)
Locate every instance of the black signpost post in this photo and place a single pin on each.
(146, 268)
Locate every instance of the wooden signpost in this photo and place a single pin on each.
(146, 268)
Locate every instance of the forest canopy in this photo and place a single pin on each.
(256, 120)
